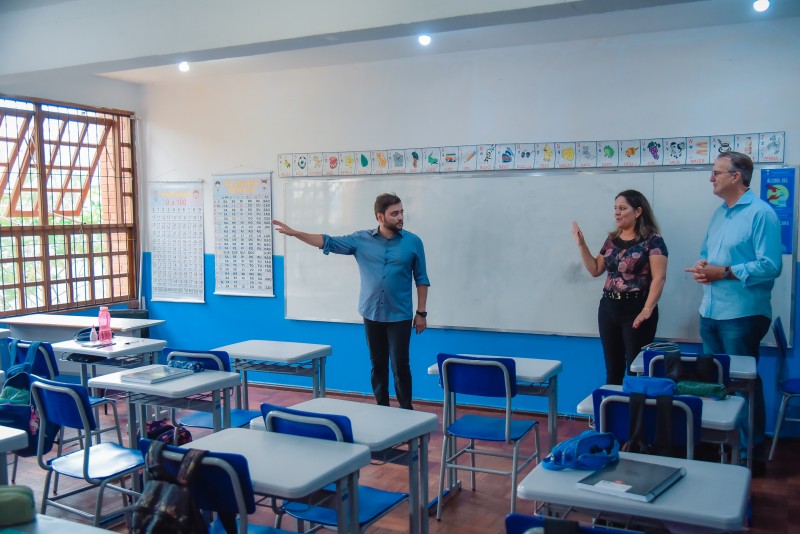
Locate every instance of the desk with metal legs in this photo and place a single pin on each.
(744, 372)
(11, 439)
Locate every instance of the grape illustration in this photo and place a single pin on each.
(653, 147)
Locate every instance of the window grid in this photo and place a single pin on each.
(69, 239)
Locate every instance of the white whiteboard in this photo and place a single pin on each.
(499, 249)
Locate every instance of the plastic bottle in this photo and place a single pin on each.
(93, 334)
(104, 320)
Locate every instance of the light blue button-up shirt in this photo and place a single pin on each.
(386, 267)
(746, 236)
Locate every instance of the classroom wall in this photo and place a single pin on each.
(726, 79)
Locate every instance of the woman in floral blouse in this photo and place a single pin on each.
(635, 257)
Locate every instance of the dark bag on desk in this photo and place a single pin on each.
(703, 369)
(166, 504)
(637, 435)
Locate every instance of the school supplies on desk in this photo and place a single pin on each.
(154, 375)
(631, 479)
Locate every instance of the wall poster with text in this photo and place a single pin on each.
(176, 241)
(243, 234)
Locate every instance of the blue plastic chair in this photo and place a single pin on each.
(373, 503)
(213, 360)
(484, 377)
(520, 524)
(222, 485)
(788, 387)
(612, 414)
(98, 465)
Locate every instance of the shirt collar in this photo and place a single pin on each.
(376, 232)
(747, 198)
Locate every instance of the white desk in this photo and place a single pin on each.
(534, 377)
(292, 467)
(719, 418)
(176, 393)
(711, 495)
(383, 427)
(11, 439)
(744, 370)
(56, 327)
(46, 524)
(124, 352)
(284, 357)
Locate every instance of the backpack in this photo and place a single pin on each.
(161, 430)
(590, 450)
(16, 408)
(166, 504)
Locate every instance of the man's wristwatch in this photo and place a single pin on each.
(422, 314)
(727, 272)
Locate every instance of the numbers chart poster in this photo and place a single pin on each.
(176, 238)
(243, 234)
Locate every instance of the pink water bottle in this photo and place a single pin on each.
(104, 320)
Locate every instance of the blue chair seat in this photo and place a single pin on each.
(239, 418)
(217, 528)
(489, 428)
(791, 386)
(107, 459)
(372, 503)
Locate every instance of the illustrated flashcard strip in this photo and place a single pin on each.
(652, 151)
(747, 144)
(771, 146)
(565, 155)
(697, 150)
(544, 155)
(486, 157)
(630, 154)
(607, 153)
(380, 163)
(448, 159)
(505, 157)
(300, 165)
(586, 154)
(363, 162)
(413, 160)
(720, 144)
(467, 161)
(525, 156)
(347, 163)
(330, 164)
(430, 159)
(397, 161)
(285, 165)
(675, 151)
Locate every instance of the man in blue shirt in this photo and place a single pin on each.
(740, 260)
(388, 259)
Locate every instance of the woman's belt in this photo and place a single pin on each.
(625, 295)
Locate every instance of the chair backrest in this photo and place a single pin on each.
(307, 424)
(519, 524)
(222, 484)
(654, 364)
(213, 360)
(44, 364)
(612, 414)
(472, 375)
(63, 404)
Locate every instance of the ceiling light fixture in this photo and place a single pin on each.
(424, 40)
(761, 5)
(183, 66)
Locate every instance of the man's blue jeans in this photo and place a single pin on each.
(741, 336)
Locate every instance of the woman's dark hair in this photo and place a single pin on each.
(385, 200)
(646, 224)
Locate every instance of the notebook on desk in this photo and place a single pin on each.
(631, 479)
(155, 374)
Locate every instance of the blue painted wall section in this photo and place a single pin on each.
(222, 320)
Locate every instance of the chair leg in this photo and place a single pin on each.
(14, 469)
(472, 476)
(46, 492)
(442, 470)
(778, 424)
(514, 458)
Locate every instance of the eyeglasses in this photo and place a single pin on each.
(717, 173)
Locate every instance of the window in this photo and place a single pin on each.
(68, 235)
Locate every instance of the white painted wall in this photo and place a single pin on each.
(725, 79)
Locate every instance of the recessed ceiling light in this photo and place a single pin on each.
(183, 66)
(424, 40)
(761, 5)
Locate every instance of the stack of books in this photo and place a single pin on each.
(154, 374)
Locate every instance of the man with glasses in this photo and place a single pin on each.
(740, 260)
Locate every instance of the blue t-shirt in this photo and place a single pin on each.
(747, 237)
(387, 267)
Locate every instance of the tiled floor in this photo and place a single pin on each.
(482, 511)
